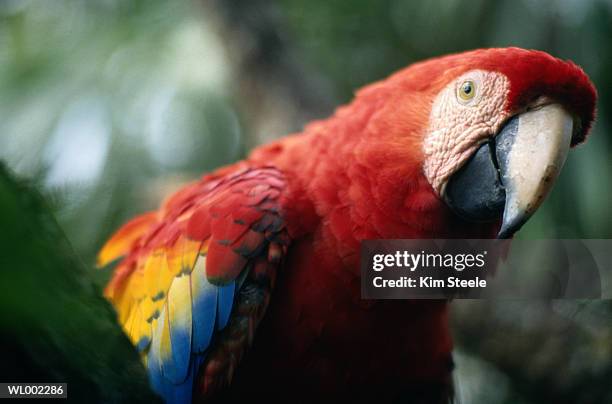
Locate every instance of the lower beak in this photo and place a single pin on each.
(511, 174)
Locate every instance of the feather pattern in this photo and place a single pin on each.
(180, 325)
(355, 176)
(185, 289)
(225, 299)
(204, 306)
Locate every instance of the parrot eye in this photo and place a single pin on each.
(466, 91)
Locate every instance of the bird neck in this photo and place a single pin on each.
(350, 180)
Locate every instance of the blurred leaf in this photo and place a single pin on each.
(56, 325)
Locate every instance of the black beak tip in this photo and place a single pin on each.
(505, 234)
(510, 227)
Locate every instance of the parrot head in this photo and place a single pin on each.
(489, 129)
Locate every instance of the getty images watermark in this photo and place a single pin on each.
(487, 269)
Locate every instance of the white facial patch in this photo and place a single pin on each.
(461, 120)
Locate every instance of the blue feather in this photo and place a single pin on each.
(143, 343)
(179, 319)
(159, 384)
(225, 301)
(182, 392)
(204, 311)
(171, 393)
(179, 393)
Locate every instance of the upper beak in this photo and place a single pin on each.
(514, 171)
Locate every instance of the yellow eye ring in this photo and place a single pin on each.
(466, 91)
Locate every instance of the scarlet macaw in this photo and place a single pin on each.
(465, 145)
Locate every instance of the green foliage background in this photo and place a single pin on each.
(107, 105)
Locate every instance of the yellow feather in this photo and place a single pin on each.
(198, 275)
(154, 300)
(179, 303)
(157, 280)
(175, 342)
(124, 302)
(163, 334)
(141, 329)
(129, 324)
(182, 255)
(120, 243)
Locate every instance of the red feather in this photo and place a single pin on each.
(357, 175)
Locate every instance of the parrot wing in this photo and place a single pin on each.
(196, 277)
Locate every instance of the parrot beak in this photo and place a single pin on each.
(512, 173)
